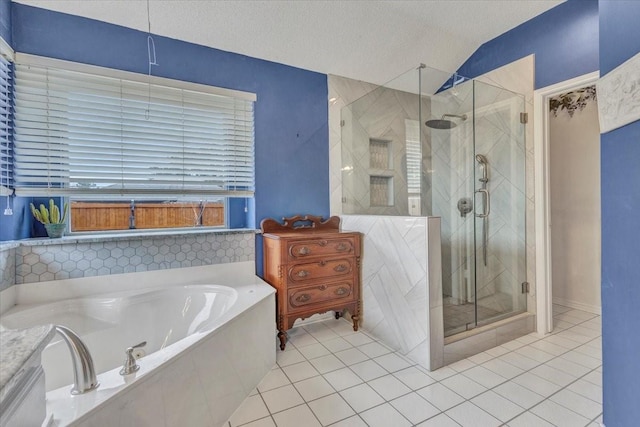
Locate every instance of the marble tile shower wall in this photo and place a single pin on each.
(342, 92)
(380, 113)
(43, 261)
(7, 266)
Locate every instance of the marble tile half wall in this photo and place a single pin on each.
(402, 284)
(44, 260)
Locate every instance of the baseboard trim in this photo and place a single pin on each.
(578, 305)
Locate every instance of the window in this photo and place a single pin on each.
(414, 165)
(105, 137)
(6, 147)
(414, 156)
(108, 215)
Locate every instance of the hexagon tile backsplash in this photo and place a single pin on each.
(74, 259)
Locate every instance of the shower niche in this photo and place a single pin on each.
(380, 156)
(432, 144)
(380, 173)
(381, 191)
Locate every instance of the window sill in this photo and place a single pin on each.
(114, 237)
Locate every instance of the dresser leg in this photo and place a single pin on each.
(355, 319)
(283, 339)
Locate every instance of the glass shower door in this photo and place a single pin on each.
(499, 203)
(478, 165)
(450, 128)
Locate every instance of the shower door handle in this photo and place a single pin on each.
(486, 205)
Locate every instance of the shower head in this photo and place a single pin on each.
(483, 162)
(480, 158)
(442, 123)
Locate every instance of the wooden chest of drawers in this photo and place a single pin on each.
(314, 267)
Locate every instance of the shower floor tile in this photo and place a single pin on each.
(457, 313)
(531, 381)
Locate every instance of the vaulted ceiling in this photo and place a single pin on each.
(373, 41)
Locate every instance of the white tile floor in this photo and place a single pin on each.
(331, 376)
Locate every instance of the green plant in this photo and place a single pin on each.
(51, 215)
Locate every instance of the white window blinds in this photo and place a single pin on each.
(414, 156)
(79, 133)
(6, 181)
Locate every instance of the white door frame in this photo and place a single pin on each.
(544, 297)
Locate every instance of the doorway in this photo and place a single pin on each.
(567, 167)
(574, 154)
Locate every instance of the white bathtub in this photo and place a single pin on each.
(207, 347)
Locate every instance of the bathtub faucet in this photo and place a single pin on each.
(84, 373)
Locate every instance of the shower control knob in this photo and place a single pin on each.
(465, 205)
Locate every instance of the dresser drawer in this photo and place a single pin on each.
(298, 250)
(317, 295)
(303, 273)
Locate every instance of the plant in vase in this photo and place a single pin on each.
(53, 222)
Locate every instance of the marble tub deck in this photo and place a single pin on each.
(19, 348)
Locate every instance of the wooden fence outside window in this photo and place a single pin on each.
(98, 216)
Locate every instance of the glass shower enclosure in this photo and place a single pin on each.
(430, 143)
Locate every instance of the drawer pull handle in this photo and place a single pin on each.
(323, 287)
(341, 247)
(322, 242)
(303, 273)
(304, 251)
(342, 291)
(340, 268)
(303, 298)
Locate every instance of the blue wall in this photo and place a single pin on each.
(5, 21)
(291, 115)
(564, 40)
(10, 226)
(620, 157)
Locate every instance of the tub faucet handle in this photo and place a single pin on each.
(130, 366)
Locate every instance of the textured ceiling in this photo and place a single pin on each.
(373, 41)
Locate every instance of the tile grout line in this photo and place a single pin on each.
(356, 413)
(385, 401)
(544, 363)
(562, 387)
(528, 371)
(506, 379)
(553, 394)
(306, 402)
(412, 364)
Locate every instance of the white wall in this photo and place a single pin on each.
(575, 208)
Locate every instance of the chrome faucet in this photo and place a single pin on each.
(84, 373)
(130, 366)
